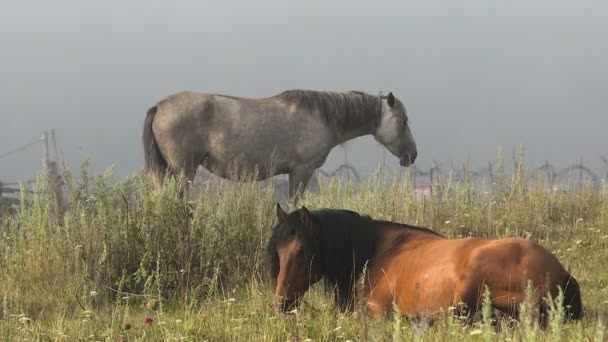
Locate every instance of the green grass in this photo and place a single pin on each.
(123, 252)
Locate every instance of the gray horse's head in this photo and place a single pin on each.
(394, 131)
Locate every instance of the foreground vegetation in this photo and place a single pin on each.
(126, 262)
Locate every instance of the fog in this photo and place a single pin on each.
(474, 75)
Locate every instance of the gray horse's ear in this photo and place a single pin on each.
(281, 214)
(390, 99)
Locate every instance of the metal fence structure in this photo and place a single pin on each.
(572, 177)
(10, 191)
(577, 174)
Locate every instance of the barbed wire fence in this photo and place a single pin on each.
(573, 176)
(13, 188)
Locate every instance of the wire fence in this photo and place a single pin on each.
(573, 176)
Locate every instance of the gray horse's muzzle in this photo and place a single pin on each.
(408, 160)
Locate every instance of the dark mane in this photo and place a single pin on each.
(408, 228)
(347, 242)
(337, 108)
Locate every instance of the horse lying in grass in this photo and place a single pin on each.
(420, 271)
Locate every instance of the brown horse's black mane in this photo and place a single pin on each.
(346, 243)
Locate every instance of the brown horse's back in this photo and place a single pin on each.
(428, 274)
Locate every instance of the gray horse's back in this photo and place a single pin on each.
(225, 132)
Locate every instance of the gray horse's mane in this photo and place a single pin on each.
(337, 109)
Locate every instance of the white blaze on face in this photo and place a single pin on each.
(388, 131)
(396, 137)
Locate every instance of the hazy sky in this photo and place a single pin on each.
(473, 74)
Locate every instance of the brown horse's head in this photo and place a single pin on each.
(294, 258)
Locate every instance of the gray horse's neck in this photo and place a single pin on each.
(347, 133)
(349, 114)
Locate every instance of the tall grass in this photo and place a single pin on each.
(124, 260)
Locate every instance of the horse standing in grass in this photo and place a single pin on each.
(289, 133)
(419, 270)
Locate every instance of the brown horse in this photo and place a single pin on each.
(421, 271)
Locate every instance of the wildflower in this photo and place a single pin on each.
(178, 321)
(93, 293)
(152, 304)
(148, 320)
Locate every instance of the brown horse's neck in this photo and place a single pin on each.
(348, 244)
(393, 237)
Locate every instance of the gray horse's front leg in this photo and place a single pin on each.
(298, 179)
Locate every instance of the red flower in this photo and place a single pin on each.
(148, 320)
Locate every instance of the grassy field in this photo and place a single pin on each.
(126, 262)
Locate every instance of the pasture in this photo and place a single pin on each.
(127, 262)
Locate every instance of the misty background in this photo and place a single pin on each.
(473, 74)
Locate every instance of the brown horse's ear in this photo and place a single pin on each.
(390, 99)
(306, 221)
(281, 214)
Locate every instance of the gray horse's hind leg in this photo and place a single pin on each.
(298, 179)
(184, 169)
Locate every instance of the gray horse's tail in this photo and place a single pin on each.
(156, 164)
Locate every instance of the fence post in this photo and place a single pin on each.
(580, 175)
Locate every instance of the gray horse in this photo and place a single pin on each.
(289, 133)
